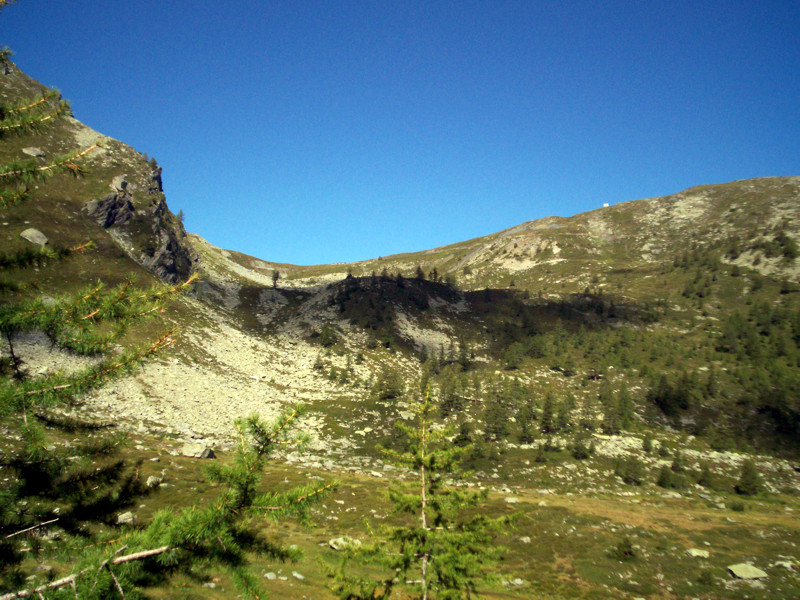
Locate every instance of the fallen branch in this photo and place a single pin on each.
(10, 535)
(70, 579)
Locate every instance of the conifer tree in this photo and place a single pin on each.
(445, 549)
(750, 482)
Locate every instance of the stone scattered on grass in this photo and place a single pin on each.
(270, 575)
(33, 151)
(344, 542)
(197, 451)
(746, 571)
(695, 553)
(34, 236)
(298, 576)
(125, 518)
(153, 481)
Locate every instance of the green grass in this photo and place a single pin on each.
(572, 536)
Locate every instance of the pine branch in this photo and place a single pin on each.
(30, 257)
(33, 103)
(16, 396)
(291, 500)
(29, 171)
(10, 198)
(27, 529)
(26, 122)
(75, 324)
(70, 424)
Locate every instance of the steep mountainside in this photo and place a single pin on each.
(598, 246)
(119, 205)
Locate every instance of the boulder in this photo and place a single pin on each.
(119, 183)
(197, 451)
(114, 209)
(344, 542)
(746, 571)
(34, 236)
(125, 518)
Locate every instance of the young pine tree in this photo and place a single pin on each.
(445, 549)
(750, 482)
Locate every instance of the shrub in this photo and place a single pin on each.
(328, 336)
(624, 550)
(669, 479)
(737, 506)
(705, 577)
(749, 483)
(706, 478)
(678, 463)
(580, 450)
(631, 471)
(389, 385)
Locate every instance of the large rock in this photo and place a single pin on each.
(197, 451)
(125, 518)
(35, 152)
(34, 236)
(119, 183)
(344, 542)
(114, 209)
(746, 571)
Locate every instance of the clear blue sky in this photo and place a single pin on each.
(314, 132)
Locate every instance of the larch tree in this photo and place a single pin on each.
(446, 549)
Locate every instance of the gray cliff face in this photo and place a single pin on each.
(174, 258)
(151, 235)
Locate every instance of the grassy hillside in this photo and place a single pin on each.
(690, 301)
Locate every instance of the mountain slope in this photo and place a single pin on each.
(638, 277)
(623, 294)
(119, 205)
